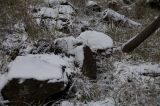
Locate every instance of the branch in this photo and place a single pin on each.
(138, 39)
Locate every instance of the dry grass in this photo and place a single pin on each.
(14, 11)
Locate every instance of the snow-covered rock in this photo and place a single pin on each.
(66, 44)
(35, 77)
(40, 67)
(110, 14)
(70, 45)
(93, 39)
(66, 9)
(93, 6)
(52, 3)
(47, 12)
(58, 18)
(91, 3)
(96, 40)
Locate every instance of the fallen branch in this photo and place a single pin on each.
(138, 39)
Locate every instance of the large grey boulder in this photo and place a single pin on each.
(33, 79)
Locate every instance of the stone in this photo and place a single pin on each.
(31, 91)
(89, 67)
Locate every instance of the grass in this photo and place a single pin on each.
(15, 11)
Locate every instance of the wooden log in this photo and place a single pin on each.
(142, 36)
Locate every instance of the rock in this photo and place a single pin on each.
(93, 6)
(95, 40)
(89, 67)
(114, 5)
(33, 79)
(65, 44)
(31, 91)
(52, 3)
(154, 3)
(128, 1)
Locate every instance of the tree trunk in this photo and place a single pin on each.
(138, 39)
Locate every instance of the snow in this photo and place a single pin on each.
(79, 54)
(66, 43)
(91, 3)
(40, 67)
(48, 12)
(54, 2)
(54, 12)
(126, 70)
(3, 80)
(65, 9)
(96, 40)
(106, 102)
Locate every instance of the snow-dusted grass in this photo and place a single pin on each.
(119, 77)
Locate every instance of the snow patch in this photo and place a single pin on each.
(106, 102)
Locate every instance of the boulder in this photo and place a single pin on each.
(89, 67)
(95, 40)
(93, 6)
(31, 91)
(33, 79)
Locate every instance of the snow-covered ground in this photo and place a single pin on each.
(120, 81)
